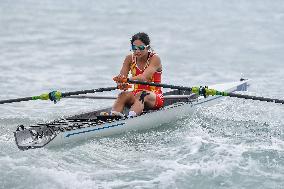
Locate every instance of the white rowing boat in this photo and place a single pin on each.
(91, 125)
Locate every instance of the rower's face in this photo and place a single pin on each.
(138, 46)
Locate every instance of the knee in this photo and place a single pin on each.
(138, 95)
(142, 96)
(124, 95)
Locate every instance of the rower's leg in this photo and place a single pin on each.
(143, 99)
(125, 98)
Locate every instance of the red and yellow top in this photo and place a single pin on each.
(156, 78)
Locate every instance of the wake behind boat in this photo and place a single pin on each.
(92, 124)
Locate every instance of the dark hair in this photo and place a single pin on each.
(142, 37)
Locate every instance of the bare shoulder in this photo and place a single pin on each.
(127, 61)
(128, 58)
(156, 61)
(126, 65)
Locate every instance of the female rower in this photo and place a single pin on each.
(144, 65)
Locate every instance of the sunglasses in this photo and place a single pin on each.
(141, 47)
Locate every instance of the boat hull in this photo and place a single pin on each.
(143, 122)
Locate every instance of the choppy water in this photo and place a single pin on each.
(74, 45)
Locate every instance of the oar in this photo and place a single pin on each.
(56, 95)
(204, 91)
(115, 97)
(94, 97)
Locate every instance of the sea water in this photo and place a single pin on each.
(75, 45)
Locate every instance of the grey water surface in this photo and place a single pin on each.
(73, 45)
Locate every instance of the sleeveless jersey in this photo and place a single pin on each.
(156, 78)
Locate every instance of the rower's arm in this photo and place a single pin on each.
(126, 66)
(155, 65)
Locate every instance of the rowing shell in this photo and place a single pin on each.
(91, 125)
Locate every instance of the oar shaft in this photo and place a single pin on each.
(88, 91)
(115, 97)
(159, 85)
(264, 99)
(16, 100)
(46, 96)
(94, 97)
(207, 92)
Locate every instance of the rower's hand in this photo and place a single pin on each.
(120, 79)
(122, 82)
